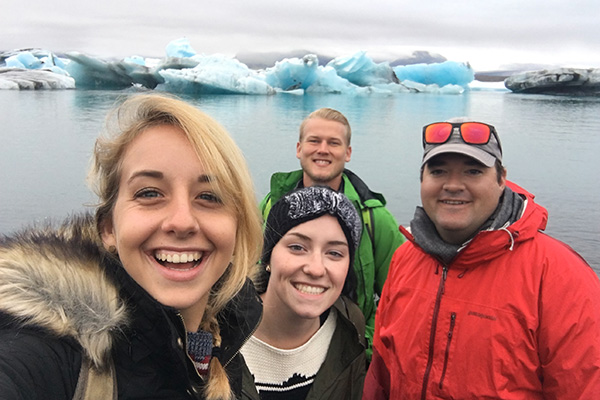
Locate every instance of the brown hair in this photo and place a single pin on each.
(328, 114)
(222, 159)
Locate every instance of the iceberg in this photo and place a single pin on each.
(215, 74)
(180, 48)
(185, 71)
(441, 74)
(362, 70)
(94, 73)
(293, 73)
(25, 79)
(560, 81)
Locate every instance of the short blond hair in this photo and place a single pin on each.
(233, 184)
(328, 114)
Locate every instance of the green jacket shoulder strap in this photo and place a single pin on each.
(369, 223)
(94, 384)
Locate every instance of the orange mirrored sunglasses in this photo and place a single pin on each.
(470, 132)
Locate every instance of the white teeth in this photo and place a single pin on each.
(454, 202)
(178, 258)
(322, 162)
(309, 289)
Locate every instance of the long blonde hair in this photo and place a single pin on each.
(222, 158)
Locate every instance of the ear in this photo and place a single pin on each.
(503, 179)
(348, 153)
(298, 149)
(107, 233)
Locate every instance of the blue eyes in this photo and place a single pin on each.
(209, 196)
(151, 193)
(147, 194)
(297, 248)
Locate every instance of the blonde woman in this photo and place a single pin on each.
(150, 298)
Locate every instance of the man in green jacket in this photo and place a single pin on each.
(323, 149)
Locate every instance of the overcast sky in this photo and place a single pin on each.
(487, 33)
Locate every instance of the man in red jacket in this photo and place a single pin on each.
(480, 303)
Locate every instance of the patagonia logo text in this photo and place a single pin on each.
(480, 315)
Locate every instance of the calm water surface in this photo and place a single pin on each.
(551, 147)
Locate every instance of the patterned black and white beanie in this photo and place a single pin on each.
(306, 204)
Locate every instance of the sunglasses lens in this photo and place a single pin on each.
(437, 133)
(475, 133)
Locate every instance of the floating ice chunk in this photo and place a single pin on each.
(328, 81)
(559, 81)
(13, 78)
(434, 88)
(293, 73)
(446, 73)
(180, 48)
(135, 60)
(215, 74)
(361, 70)
(93, 73)
(23, 60)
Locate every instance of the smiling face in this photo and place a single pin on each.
(308, 269)
(172, 233)
(323, 151)
(459, 194)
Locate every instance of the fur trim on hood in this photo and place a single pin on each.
(51, 277)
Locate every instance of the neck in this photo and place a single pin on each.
(284, 329)
(334, 183)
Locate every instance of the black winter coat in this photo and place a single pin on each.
(60, 299)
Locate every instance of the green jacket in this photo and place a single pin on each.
(380, 237)
(342, 374)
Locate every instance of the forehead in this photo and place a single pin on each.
(324, 127)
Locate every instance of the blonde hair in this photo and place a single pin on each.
(233, 184)
(328, 114)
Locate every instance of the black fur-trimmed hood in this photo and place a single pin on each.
(51, 277)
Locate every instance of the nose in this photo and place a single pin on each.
(315, 266)
(454, 183)
(180, 218)
(323, 147)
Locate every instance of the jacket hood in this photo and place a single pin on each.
(488, 245)
(51, 278)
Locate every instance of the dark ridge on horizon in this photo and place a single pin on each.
(261, 60)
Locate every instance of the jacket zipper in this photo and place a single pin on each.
(436, 311)
(244, 341)
(184, 339)
(447, 354)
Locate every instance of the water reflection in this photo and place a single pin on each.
(551, 147)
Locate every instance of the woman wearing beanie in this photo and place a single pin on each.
(310, 343)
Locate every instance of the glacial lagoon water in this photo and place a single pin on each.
(551, 146)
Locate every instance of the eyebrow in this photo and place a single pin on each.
(149, 173)
(307, 238)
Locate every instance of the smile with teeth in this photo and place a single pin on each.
(453, 202)
(322, 162)
(309, 289)
(174, 260)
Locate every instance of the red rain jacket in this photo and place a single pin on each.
(516, 315)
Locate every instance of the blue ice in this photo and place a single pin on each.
(183, 70)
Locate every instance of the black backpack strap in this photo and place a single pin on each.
(94, 384)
